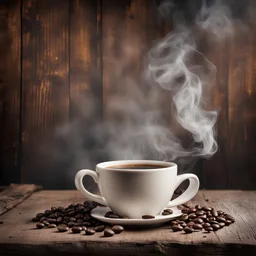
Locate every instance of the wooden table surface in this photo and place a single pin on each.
(18, 235)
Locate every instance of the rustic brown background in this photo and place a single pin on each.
(56, 52)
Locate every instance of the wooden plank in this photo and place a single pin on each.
(218, 54)
(19, 237)
(45, 88)
(85, 82)
(10, 29)
(241, 112)
(15, 194)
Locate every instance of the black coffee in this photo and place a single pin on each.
(137, 166)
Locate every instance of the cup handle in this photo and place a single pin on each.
(189, 193)
(79, 185)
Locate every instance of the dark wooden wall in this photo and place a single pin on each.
(56, 56)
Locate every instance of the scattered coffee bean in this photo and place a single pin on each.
(191, 223)
(118, 229)
(35, 219)
(59, 220)
(197, 226)
(76, 230)
(209, 229)
(52, 225)
(62, 228)
(222, 224)
(205, 208)
(176, 228)
(214, 213)
(200, 212)
(108, 213)
(54, 209)
(192, 216)
(45, 222)
(229, 217)
(220, 219)
(198, 220)
(206, 225)
(90, 231)
(39, 225)
(84, 228)
(188, 230)
(174, 222)
(215, 226)
(50, 220)
(148, 217)
(228, 222)
(167, 211)
(108, 232)
(39, 215)
(47, 212)
(99, 228)
(113, 216)
(203, 217)
(184, 217)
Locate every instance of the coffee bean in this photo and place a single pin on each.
(71, 213)
(39, 215)
(52, 216)
(191, 223)
(214, 222)
(229, 217)
(166, 213)
(220, 213)
(45, 222)
(99, 228)
(86, 223)
(50, 220)
(203, 217)
(186, 205)
(214, 213)
(198, 207)
(184, 217)
(113, 216)
(198, 220)
(170, 211)
(205, 208)
(209, 229)
(118, 229)
(176, 228)
(192, 210)
(84, 228)
(53, 209)
(59, 219)
(108, 213)
(52, 225)
(192, 216)
(206, 225)
(215, 226)
(42, 219)
(208, 214)
(47, 212)
(211, 219)
(188, 230)
(174, 222)
(90, 231)
(79, 221)
(39, 225)
(197, 226)
(76, 230)
(185, 210)
(72, 219)
(220, 219)
(67, 218)
(108, 232)
(35, 219)
(79, 216)
(222, 224)
(200, 212)
(148, 217)
(61, 209)
(71, 224)
(62, 228)
(228, 222)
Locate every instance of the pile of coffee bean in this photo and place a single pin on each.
(201, 218)
(75, 217)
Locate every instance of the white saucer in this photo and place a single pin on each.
(100, 211)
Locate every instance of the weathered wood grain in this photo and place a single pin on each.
(10, 28)
(45, 87)
(19, 237)
(15, 194)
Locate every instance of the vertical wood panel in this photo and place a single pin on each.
(9, 91)
(85, 84)
(45, 88)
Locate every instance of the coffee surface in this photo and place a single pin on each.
(137, 166)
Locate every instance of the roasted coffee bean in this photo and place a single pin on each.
(220, 219)
(208, 214)
(54, 209)
(42, 219)
(62, 228)
(99, 228)
(90, 231)
(148, 217)
(220, 213)
(71, 224)
(71, 213)
(215, 226)
(200, 212)
(185, 210)
(214, 222)
(86, 223)
(72, 219)
(184, 217)
(228, 222)
(45, 222)
(108, 213)
(170, 211)
(176, 228)
(198, 207)
(188, 230)
(84, 228)
(52, 225)
(79, 221)
(209, 229)
(206, 225)
(229, 217)
(61, 209)
(50, 220)
(222, 224)
(214, 213)
(192, 216)
(39, 225)
(186, 205)
(108, 232)
(192, 210)
(191, 223)
(52, 216)
(47, 212)
(198, 220)
(203, 217)
(76, 230)
(211, 219)
(39, 215)
(205, 208)
(35, 219)
(118, 229)
(197, 226)
(59, 220)
(114, 216)
(79, 216)
(166, 213)
(67, 218)
(180, 222)
(174, 222)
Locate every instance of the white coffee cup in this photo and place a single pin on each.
(132, 191)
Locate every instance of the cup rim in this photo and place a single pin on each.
(108, 164)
